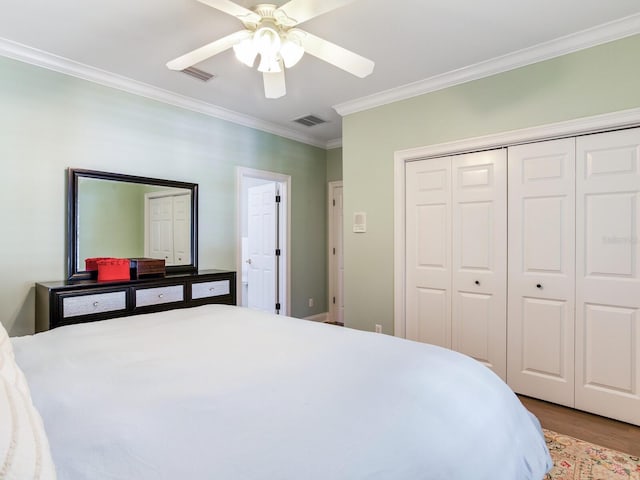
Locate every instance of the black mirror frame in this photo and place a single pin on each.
(74, 174)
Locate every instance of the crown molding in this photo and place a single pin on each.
(335, 143)
(603, 122)
(63, 65)
(591, 37)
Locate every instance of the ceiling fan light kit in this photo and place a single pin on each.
(269, 33)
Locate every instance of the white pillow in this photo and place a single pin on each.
(24, 448)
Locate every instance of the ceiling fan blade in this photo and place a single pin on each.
(274, 85)
(335, 55)
(298, 11)
(238, 11)
(209, 50)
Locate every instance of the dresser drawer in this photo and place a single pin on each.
(210, 289)
(75, 306)
(159, 295)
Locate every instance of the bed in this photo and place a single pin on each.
(224, 392)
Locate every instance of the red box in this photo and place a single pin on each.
(91, 264)
(111, 269)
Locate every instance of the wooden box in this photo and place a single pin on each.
(146, 267)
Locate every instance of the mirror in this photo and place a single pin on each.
(125, 216)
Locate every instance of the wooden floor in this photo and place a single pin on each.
(585, 426)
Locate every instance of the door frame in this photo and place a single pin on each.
(598, 123)
(331, 259)
(243, 173)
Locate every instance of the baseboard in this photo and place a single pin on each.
(321, 317)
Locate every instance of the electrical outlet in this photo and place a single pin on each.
(378, 328)
(310, 302)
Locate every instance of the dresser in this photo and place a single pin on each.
(69, 302)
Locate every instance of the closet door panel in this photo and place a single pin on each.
(610, 348)
(182, 229)
(473, 327)
(541, 273)
(543, 253)
(543, 326)
(428, 251)
(608, 275)
(161, 229)
(479, 257)
(432, 317)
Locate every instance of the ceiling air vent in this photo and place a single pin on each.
(309, 120)
(199, 74)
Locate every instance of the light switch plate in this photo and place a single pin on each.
(359, 222)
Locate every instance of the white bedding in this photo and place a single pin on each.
(226, 393)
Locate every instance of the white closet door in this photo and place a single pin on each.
(161, 229)
(479, 300)
(608, 275)
(182, 229)
(540, 359)
(428, 251)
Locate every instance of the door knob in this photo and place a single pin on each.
(248, 261)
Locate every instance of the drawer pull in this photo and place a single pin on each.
(95, 304)
(477, 282)
(161, 295)
(539, 285)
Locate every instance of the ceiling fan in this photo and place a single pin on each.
(270, 32)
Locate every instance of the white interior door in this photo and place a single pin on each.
(261, 244)
(479, 299)
(608, 275)
(428, 251)
(542, 270)
(336, 267)
(161, 228)
(182, 229)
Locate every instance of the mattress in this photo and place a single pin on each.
(224, 392)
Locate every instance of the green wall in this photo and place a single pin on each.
(110, 219)
(334, 164)
(599, 80)
(50, 121)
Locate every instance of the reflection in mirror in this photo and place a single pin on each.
(122, 216)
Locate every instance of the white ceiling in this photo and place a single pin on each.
(127, 44)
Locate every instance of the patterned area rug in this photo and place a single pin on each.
(575, 459)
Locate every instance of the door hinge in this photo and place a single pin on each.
(277, 252)
(277, 198)
(277, 307)
(334, 202)
(334, 300)
(334, 250)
